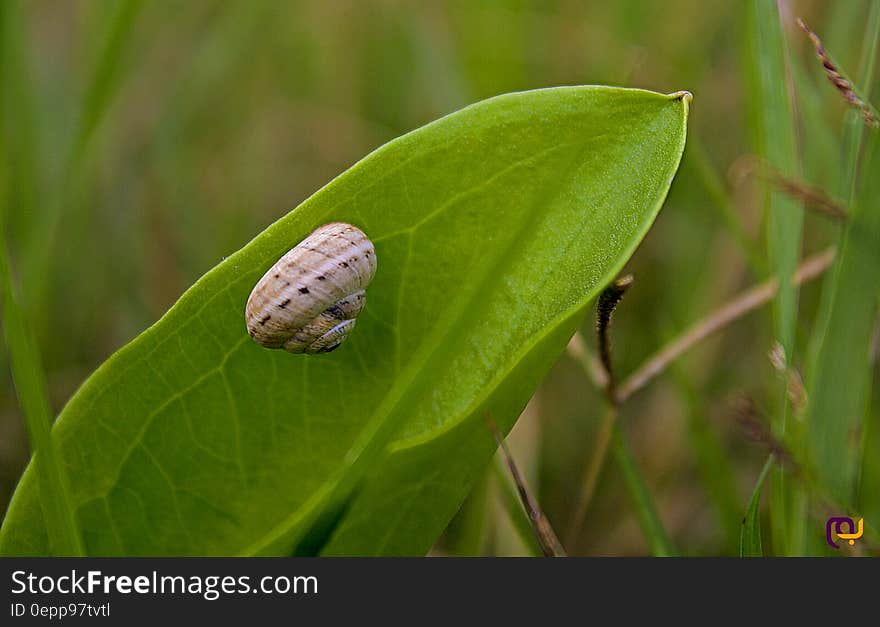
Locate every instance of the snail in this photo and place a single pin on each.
(308, 302)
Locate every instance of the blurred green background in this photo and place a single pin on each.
(143, 141)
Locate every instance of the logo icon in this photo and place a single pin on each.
(835, 527)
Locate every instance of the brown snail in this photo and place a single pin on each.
(308, 302)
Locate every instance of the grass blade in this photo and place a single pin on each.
(105, 78)
(30, 385)
(106, 73)
(774, 137)
(646, 511)
(773, 123)
(750, 539)
(24, 360)
(840, 380)
(712, 461)
(18, 140)
(840, 369)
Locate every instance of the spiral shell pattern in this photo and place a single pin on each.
(308, 302)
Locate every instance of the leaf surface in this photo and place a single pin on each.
(494, 227)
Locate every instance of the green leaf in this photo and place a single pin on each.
(750, 538)
(494, 227)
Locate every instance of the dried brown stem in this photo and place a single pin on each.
(578, 349)
(597, 369)
(756, 430)
(547, 538)
(837, 78)
(743, 304)
(813, 198)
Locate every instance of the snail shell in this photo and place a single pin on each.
(308, 302)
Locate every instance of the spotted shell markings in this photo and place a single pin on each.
(308, 302)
